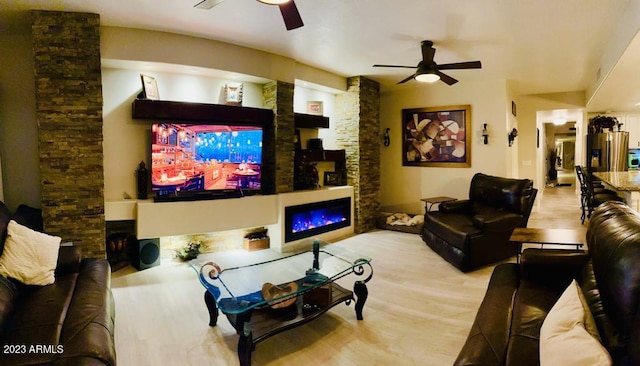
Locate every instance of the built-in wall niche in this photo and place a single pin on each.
(187, 178)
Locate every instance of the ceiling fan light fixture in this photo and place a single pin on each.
(274, 2)
(426, 74)
(427, 78)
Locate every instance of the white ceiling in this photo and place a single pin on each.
(541, 46)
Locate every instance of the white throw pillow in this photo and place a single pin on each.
(29, 256)
(564, 338)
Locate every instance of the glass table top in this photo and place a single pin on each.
(240, 281)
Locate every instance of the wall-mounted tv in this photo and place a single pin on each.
(187, 159)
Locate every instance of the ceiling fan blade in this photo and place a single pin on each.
(446, 78)
(397, 66)
(207, 4)
(461, 65)
(291, 15)
(407, 79)
(427, 51)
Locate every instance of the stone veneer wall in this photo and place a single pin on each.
(68, 80)
(278, 96)
(357, 132)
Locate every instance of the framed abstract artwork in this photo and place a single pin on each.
(437, 136)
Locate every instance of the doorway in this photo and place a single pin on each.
(560, 139)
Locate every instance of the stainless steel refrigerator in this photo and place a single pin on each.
(608, 151)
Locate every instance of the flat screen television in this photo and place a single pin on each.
(196, 159)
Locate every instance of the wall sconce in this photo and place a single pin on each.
(512, 136)
(485, 134)
(386, 140)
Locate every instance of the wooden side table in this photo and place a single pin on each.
(430, 201)
(546, 236)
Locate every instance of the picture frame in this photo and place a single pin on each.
(332, 179)
(315, 107)
(233, 93)
(149, 87)
(513, 108)
(437, 136)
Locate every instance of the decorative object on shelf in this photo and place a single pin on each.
(233, 94)
(386, 140)
(297, 142)
(315, 107)
(189, 252)
(598, 123)
(256, 239)
(485, 134)
(142, 175)
(149, 88)
(437, 136)
(512, 136)
(315, 144)
(305, 175)
(332, 179)
(513, 108)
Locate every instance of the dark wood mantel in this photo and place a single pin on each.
(200, 112)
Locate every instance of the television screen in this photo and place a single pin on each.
(193, 157)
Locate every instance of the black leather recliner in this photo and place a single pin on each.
(475, 232)
(506, 330)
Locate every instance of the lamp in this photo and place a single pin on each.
(559, 121)
(386, 140)
(426, 74)
(485, 134)
(512, 136)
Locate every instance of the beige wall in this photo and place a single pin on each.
(18, 130)
(402, 187)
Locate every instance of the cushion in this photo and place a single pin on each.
(29, 256)
(568, 335)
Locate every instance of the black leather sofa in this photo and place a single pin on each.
(506, 330)
(475, 232)
(70, 322)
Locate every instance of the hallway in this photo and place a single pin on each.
(559, 206)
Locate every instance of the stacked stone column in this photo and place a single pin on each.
(279, 151)
(357, 131)
(68, 81)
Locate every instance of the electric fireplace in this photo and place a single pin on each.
(303, 221)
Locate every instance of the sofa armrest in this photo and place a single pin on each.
(503, 221)
(488, 338)
(455, 206)
(552, 266)
(69, 259)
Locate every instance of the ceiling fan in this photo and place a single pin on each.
(427, 69)
(288, 8)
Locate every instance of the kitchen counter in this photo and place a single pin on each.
(626, 184)
(621, 181)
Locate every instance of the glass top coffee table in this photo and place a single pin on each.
(271, 292)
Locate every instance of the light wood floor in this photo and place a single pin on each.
(419, 309)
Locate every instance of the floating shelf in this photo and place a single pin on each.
(167, 110)
(321, 155)
(310, 121)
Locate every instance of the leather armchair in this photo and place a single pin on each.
(475, 232)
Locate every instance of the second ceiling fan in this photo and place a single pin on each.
(429, 71)
(288, 8)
